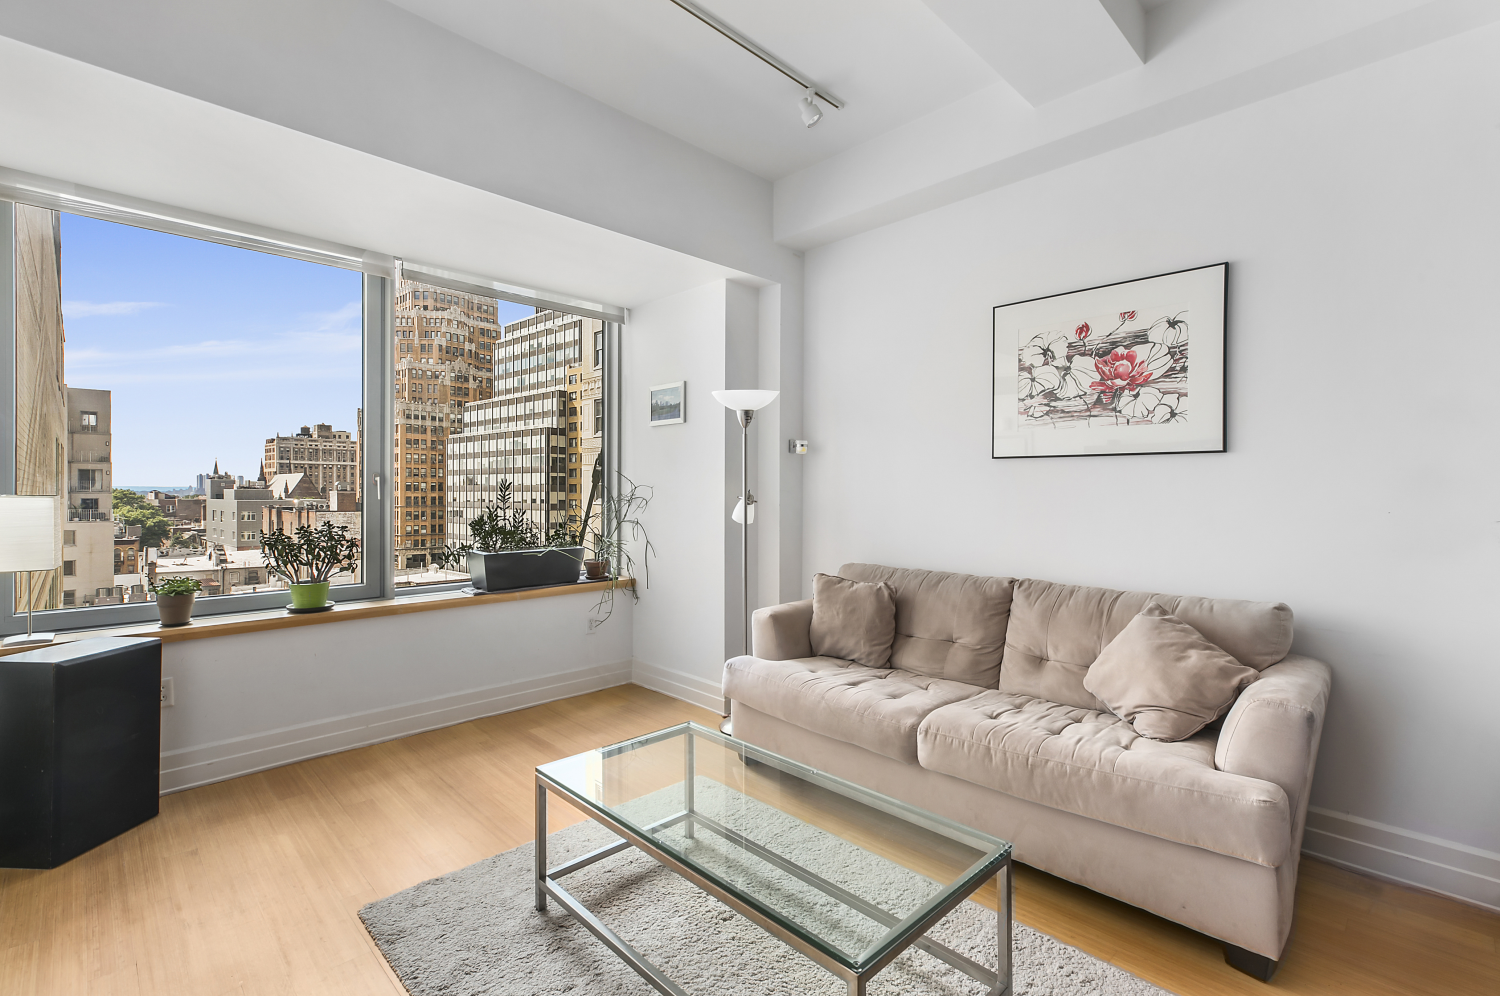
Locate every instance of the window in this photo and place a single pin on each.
(229, 316)
(491, 396)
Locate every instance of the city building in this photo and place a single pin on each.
(327, 456)
(233, 518)
(523, 434)
(41, 395)
(586, 430)
(445, 350)
(89, 536)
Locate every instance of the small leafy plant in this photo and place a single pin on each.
(318, 553)
(175, 586)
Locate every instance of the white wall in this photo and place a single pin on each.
(680, 620)
(1359, 219)
(244, 703)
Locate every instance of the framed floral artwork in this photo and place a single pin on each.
(1132, 367)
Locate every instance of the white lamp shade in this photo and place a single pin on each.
(30, 533)
(745, 401)
(738, 515)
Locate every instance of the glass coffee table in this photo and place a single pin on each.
(849, 877)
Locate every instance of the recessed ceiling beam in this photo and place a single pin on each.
(749, 46)
(1047, 49)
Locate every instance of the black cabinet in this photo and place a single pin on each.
(80, 747)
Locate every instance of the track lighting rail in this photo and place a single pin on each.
(760, 53)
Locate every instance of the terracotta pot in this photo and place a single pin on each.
(596, 570)
(310, 595)
(176, 610)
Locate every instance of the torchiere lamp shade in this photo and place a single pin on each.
(745, 401)
(30, 533)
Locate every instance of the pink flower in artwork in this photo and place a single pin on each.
(1121, 369)
(1127, 316)
(1082, 331)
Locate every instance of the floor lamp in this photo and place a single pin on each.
(30, 540)
(744, 404)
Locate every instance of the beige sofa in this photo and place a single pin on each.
(983, 717)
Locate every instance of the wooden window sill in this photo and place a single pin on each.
(269, 619)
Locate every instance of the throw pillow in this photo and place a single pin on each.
(1161, 676)
(853, 620)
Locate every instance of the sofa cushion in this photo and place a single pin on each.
(1056, 631)
(1163, 678)
(1094, 764)
(878, 709)
(948, 626)
(852, 620)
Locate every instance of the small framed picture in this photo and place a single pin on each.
(669, 403)
(1132, 367)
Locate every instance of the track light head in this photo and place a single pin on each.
(811, 112)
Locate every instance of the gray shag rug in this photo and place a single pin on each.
(475, 932)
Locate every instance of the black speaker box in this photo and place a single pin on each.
(80, 747)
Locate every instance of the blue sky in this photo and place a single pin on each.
(207, 349)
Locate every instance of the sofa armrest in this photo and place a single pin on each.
(1272, 731)
(782, 632)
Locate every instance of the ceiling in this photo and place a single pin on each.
(890, 60)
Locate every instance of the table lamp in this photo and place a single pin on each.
(30, 540)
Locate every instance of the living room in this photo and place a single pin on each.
(1322, 175)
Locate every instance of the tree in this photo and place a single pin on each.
(134, 510)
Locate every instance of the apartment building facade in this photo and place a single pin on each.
(445, 348)
(531, 433)
(328, 457)
(89, 535)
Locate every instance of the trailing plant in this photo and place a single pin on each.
(174, 586)
(616, 542)
(319, 553)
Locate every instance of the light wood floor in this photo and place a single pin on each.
(252, 886)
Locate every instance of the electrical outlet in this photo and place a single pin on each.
(168, 697)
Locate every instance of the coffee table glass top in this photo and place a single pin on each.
(848, 870)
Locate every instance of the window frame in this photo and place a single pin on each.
(377, 366)
(378, 488)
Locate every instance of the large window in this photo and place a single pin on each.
(155, 374)
(188, 385)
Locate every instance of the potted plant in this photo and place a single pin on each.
(622, 533)
(508, 551)
(174, 599)
(308, 559)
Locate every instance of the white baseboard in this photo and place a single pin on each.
(1456, 870)
(214, 762)
(679, 685)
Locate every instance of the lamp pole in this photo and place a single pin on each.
(744, 404)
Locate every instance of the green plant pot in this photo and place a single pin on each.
(310, 595)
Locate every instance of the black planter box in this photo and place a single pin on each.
(513, 569)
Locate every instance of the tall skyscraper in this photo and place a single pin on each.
(530, 433)
(41, 395)
(444, 360)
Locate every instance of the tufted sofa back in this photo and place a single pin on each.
(947, 625)
(1056, 632)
